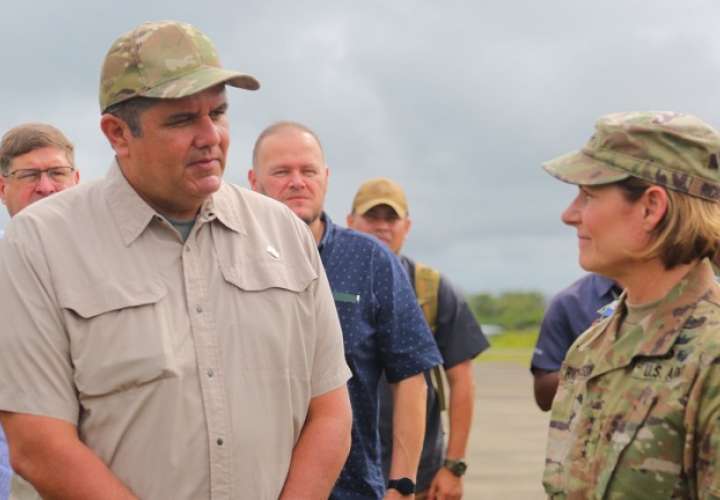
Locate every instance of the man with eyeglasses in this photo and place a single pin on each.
(36, 160)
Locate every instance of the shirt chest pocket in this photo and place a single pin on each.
(351, 313)
(269, 313)
(120, 335)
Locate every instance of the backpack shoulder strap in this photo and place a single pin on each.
(427, 286)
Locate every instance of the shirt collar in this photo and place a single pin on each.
(132, 214)
(329, 232)
(604, 286)
(223, 206)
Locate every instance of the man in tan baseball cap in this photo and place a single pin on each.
(166, 334)
(380, 208)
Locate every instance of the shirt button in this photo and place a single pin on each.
(187, 249)
(198, 308)
(220, 442)
(210, 372)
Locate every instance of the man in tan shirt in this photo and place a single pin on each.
(168, 335)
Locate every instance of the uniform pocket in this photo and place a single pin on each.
(626, 444)
(120, 335)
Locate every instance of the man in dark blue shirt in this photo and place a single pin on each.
(569, 314)
(383, 327)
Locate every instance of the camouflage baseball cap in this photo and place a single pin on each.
(380, 191)
(674, 150)
(165, 59)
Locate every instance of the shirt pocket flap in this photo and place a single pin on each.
(113, 296)
(266, 275)
(128, 319)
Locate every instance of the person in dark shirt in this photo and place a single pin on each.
(569, 314)
(383, 328)
(380, 208)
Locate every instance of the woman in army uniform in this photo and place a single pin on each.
(637, 412)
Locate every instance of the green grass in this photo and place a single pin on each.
(514, 346)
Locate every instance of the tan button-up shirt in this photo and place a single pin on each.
(187, 367)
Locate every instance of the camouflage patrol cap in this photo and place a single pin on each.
(165, 59)
(677, 151)
(380, 191)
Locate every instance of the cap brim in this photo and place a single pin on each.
(199, 80)
(363, 208)
(581, 169)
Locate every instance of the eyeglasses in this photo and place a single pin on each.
(57, 175)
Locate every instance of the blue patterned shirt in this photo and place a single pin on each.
(384, 331)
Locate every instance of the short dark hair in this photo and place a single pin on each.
(129, 111)
(28, 137)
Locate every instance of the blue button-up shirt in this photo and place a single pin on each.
(569, 314)
(383, 330)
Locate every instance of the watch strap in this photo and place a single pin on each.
(404, 485)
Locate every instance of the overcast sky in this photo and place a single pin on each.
(458, 101)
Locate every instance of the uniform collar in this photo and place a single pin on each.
(132, 214)
(677, 308)
(664, 324)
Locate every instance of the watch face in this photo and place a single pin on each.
(405, 486)
(457, 467)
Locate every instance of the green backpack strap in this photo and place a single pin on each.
(427, 287)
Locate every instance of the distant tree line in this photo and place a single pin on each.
(509, 310)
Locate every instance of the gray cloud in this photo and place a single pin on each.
(458, 101)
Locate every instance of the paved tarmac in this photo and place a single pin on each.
(507, 444)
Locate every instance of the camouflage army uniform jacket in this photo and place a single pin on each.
(639, 417)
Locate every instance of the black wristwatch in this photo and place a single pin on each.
(404, 485)
(457, 467)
